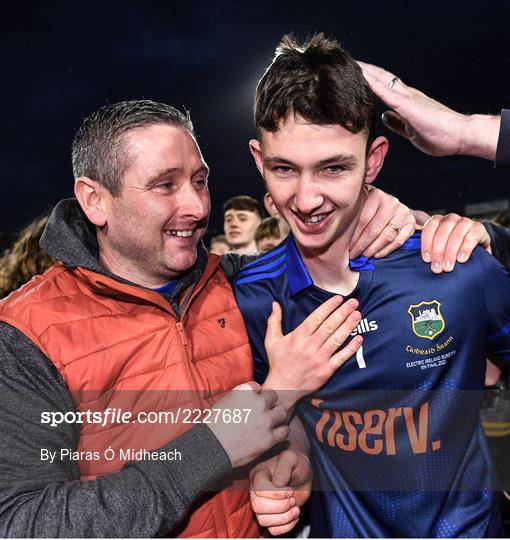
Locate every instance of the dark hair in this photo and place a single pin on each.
(268, 227)
(24, 259)
(244, 202)
(98, 148)
(318, 80)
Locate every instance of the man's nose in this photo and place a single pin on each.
(307, 197)
(194, 203)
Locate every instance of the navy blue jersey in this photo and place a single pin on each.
(397, 447)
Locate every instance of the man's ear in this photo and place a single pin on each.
(91, 196)
(257, 154)
(375, 158)
(269, 204)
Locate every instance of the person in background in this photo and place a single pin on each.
(219, 245)
(241, 217)
(268, 234)
(24, 259)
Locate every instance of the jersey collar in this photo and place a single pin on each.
(297, 274)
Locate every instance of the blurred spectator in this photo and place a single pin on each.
(273, 212)
(219, 245)
(269, 234)
(24, 259)
(242, 215)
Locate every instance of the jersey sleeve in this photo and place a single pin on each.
(496, 284)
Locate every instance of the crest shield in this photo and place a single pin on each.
(427, 319)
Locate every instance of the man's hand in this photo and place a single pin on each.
(428, 124)
(384, 225)
(448, 239)
(279, 487)
(263, 424)
(303, 360)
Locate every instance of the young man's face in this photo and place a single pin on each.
(315, 175)
(240, 226)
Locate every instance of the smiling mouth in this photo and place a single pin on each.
(311, 220)
(180, 234)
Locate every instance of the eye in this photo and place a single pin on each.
(200, 182)
(334, 169)
(164, 186)
(282, 170)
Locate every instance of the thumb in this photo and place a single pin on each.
(284, 467)
(274, 325)
(393, 121)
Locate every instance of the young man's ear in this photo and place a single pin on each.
(375, 158)
(257, 154)
(91, 196)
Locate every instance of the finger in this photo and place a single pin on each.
(454, 243)
(394, 122)
(262, 487)
(266, 505)
(250, 385)
(317, 317)
(378, 228)
(274, 325)
(475, 237)
(273, 520)
(345, 353)
(285, 465)
(279, 416)
(427, 237)
(334, 322)
(270, 398)
(387, 237)
(405, 233)
(395, 96)
(342, 334)
(280, 434)
(441, 236)
(283, 529)
(368, 211)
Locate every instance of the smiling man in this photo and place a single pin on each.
(136, 318)
(394, 434)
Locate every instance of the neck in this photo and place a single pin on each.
(247, 249)
(330, 270)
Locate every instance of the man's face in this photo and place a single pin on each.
(153, 228)
(315, 174)
(240, 226)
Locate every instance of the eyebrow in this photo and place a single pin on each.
(338, 158)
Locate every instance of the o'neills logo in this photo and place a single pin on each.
(377, 434)
(365, 326)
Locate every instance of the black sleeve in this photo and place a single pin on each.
(503, 148)
(500, 242)
(231, 263)
(43, 499)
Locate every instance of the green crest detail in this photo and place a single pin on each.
(427, 319)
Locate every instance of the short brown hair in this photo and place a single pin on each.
(319, 81)
(244, 202)
(268, 228)
(99, 151)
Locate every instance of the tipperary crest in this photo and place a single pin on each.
(427, 319)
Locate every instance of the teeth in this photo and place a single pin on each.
(182, 234)
(315, 219)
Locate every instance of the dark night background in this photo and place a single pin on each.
(60, 61)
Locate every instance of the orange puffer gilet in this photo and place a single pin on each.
(121, 346)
